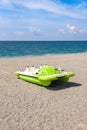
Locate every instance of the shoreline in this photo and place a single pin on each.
(28, 106)
(43, 55)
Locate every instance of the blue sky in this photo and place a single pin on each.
(43, 20)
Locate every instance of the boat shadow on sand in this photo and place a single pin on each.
(59, 86)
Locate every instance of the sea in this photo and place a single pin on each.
(36, 48)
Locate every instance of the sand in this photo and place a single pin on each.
(27, 106)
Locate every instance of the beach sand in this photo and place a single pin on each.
(27, 106)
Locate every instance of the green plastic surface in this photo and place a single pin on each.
(45, 76)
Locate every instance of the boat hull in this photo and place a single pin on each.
(34, 80)
(66, 77)
(44, 80)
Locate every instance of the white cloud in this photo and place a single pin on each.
(20, 33)
(62, 30)
(83, 31)
(5, 3)
(34, 29)
(54, 7)
(44, 16)
(81, 5)
(57, 8)
(71, 28)
(74, 29)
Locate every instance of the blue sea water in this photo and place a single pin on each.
(25, 48)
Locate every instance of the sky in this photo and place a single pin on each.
(42, 20)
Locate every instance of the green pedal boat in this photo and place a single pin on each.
(43, 75)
